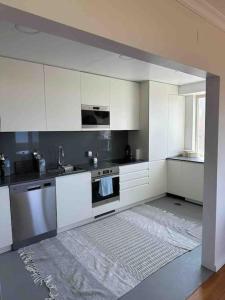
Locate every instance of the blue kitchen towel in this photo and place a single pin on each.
(105, 186)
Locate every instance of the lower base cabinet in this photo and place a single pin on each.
(74, 201)
(134, 183)
(186, 179)
(5, 219)
(157, 178)
(134, 195)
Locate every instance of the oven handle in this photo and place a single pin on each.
(98, 179)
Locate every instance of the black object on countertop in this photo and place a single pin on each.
(4, 166)
(127, 152)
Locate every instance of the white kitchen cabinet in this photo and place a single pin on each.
(63, 99)
(124, 104)
(74, 201)
(5, 220)
(22, 101)
(176, 124)
(174, 180)
(193, 180)
(95, 89)
(134, 183)
(158, 120)
(166, 121)
(186, 179)
(158, 178)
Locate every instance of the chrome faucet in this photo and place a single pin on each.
(61, 157)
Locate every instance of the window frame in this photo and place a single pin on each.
(196, 127)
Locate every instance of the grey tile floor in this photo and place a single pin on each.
(175, 281)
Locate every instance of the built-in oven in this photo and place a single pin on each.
(95, 116)
(97, 198)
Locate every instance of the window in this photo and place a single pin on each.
(200, 125)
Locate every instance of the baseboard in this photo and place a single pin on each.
(216, 267)
(74, 225)
(5, 249)
(141, 202)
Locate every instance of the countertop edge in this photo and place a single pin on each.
(8, 181)
(186, 159)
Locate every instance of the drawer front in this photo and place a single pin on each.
(134, 168)
(134, 195)
(134, 175)
(133, 183)
(102, 209)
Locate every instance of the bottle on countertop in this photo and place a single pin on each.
(4, 165)
(39, 163)
(42, 165)
(128, 152)
(95, 159)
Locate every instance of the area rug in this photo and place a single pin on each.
(107, 258)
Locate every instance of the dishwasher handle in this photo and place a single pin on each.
(34, 188)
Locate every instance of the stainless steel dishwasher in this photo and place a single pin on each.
(33, 212)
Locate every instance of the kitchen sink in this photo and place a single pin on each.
(65, 170)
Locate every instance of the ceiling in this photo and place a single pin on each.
(52, 50)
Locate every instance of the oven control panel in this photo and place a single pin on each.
(105, 172)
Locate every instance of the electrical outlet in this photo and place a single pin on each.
(89, 153)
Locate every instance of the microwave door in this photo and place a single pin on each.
(103, 117)
(94, 119)
(89, 118)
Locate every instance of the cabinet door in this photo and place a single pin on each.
(124, 103)
(186, 179)
(175, 183)
(176, 125)
(95, 90)
(74, 202)
(134, 195)
(22, 102)
(158, 178)
(5, 219)
(63, 103)
(193, 180)
(158, 120)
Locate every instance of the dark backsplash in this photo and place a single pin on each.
(19, 146)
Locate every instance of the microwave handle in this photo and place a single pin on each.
(98, 179)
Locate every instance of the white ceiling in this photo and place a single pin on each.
(52, 50)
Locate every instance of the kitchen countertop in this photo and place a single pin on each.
(16, 179)
(187, 159)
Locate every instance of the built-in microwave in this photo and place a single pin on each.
(95, 116)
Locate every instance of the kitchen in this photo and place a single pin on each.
(128, 128)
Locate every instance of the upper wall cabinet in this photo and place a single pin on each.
(22, 102)
(95, 90)
(124, 104)
(63, 100)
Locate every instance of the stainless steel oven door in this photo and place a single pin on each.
(95, 116)
(97, 199)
